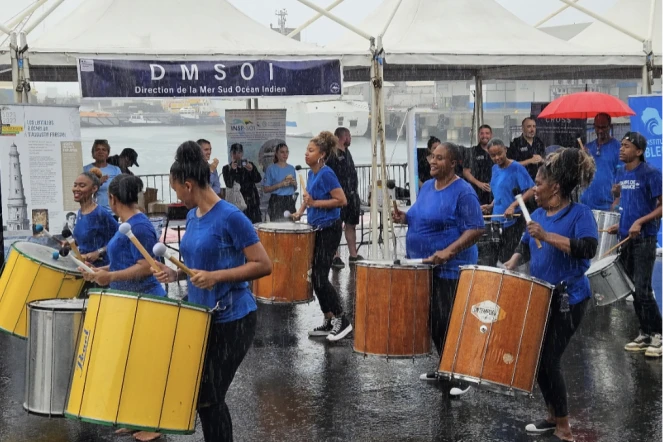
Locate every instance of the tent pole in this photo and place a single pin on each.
(24, 67)
(391, 17)
(19, 18)
(604, 20)
(646, 85)
(478, 97)
(41, 18)
(311, 20)
(5, 29)
(374, 165)
(554, 14)
(13, 52)
(412, 160)
(338, 20)
(652, 10)
(386, 203)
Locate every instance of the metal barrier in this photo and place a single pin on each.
(396, 172)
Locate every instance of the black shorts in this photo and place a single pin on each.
(350, 213)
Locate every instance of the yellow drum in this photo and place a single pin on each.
(139, 362)
(31, 274)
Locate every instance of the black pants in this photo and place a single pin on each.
(278, 204)
(638, 257)
(326, 243)
(227, 345)
(511, 236)
(441, 303)
(561, 327)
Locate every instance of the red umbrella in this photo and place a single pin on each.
(585, 105)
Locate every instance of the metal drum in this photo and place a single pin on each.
(488, 244)
(608, 281)
(606, 240)
(53, 328)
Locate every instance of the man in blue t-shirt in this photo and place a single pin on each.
(605, 150)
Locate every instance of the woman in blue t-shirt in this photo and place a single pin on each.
(95, 226)
(223, 250)
(100, 153)
(443, 226)
(569, 238)
(506, 176)
(639, 187)
(127, 269)
(322, 201)
(280, 181)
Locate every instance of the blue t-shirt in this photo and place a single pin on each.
(102, 194)
(502, 183)
(598, 195)
(438, 218)
(216, 241)
(214, 181)
(122, 254)
(551, 264)
(319, 187)
(276, 174)
(641, 188)
(93, 231)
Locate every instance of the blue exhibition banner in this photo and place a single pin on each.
(102, 78)
(647, 121)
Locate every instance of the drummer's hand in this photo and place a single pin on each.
(613, 230)
(485, 187)
(536, 231)
(308, 201)
(486, 209)
(87, 276)
(440, 257)
(635, 229)
(102, 277)
(166, 274)
(91, 257)
(203, 279)
(296, 216)
(616, 190)
(512, 264)
(398, 216)
(508, 213)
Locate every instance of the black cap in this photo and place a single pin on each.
(131, 155)
(637, 139)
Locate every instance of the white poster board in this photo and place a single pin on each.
(40, 157)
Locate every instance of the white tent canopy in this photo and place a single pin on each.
(633, 15)
(474, 35)
(175, 29)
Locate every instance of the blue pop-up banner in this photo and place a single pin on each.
(102, 78)
(647, 121)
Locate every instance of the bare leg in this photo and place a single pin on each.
(563, 430)
(351, 239)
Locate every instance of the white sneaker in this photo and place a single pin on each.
(455, 391)
(654, 349)
(641, 343)
(340, 328)
(629, 298)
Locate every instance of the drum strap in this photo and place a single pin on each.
(561, 290)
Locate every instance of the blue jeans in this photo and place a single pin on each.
(638, 257)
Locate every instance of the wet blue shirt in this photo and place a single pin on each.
(598, 195)
(102, 194)
(502, 183)
(551, 264)
(438, 218)
(276, 174)
(216, 241)
(93, 231)
(641, 188)
(122, 254)
(214, 181)
(319, 187)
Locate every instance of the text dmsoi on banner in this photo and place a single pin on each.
(102, 78)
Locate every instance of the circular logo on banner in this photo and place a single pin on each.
(335, 88)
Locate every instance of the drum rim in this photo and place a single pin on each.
(508, 272)
(310, 228)
(386, 264)
(151, 298)
(88, 420)
(32, 305)
(612, 259)
(45, 264)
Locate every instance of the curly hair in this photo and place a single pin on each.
(326, 142)
(569, 167)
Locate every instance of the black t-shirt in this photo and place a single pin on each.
(520, 150)
(481, 166)
(423, 168)
(344, 167)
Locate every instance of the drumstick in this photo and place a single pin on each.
(604, 231)
(125, 229)
(523, 208)
(82, 265)
(617, 245)
(515, 215)
(160, 249)
(301, 183)
(66, 234)
(410, 262)
(582, 146)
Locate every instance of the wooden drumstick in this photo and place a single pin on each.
(523, 208)
(582, 146)
(160, 249)
(616, 246)
(303, 185)
(125, 229)
(515, 215)
(66, 234)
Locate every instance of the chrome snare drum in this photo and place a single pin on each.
(606, 241)
(608, 280)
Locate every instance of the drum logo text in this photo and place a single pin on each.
(81, 357)
(487, 312)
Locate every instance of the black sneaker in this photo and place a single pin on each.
(354, 259)
(541, 427)
(337, 263)
(340, 328)
(323, 330)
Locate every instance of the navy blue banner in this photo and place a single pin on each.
(249, 78)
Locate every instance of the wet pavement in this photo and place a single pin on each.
(292, 388)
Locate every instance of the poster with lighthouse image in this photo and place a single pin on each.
(40, 157)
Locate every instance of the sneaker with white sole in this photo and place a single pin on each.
(456, 391)
(429, 377)
(654, 349)
(323, 330)
(638, 344)
(340, 328)
(541, 427)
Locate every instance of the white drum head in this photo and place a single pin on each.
(59, 304)
(509, 273)
(284, 227)
(386, 264)
(44, 255)
(601, 264)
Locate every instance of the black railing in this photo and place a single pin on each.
(396, 172)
